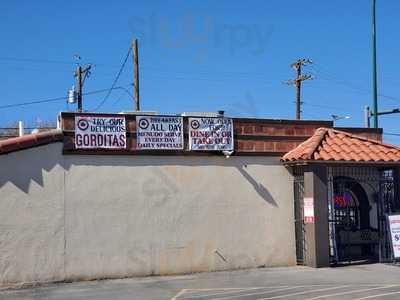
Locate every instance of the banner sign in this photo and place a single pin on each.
(210, 134)
(394, 227)
(159, 133)
(308, 210)
(93, 132)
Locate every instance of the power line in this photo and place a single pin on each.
(394, 134)
(48, 61)
(333, 78)
(36, 60)
(227, 74)
(323, 106)
(212, 80)
(115, 80)
(234, 74)
(33, 102)
(56, 99)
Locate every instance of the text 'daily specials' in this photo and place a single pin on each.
(159, 133)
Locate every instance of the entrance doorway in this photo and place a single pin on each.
(359, 199)
(355, 238)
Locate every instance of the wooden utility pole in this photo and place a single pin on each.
(80, 79)
(297, 82)
(298, 92)
(135, 57)
(78, 75)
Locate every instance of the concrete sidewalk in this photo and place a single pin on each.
(377, 281)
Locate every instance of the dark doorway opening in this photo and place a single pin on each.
(355, 239)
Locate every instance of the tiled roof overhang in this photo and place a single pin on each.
(333, 146)
(30, 141)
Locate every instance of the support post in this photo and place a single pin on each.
(135, 57)
(374, 76)
(78, 75)
(21, 130)
(298, 93)
(317, 228)
(298, 81)
(367, 116)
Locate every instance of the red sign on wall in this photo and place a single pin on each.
(308, 210)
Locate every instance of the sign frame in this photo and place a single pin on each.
(138, 120)
(389, 229)
(120, 135)
(308, 210)
(216, 146)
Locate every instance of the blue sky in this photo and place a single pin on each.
(201, 56)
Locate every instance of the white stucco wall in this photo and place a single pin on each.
(84, 217)
(32, 215)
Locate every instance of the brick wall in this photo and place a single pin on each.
(251, 136)
(369, 133)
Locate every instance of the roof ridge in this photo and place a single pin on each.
(309, 144)
(352, 135)
(318, 142)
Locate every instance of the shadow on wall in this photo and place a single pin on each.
(238, 162)
(167, 160)
(23, 167)
(258, 187)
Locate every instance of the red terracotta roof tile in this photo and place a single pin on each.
(333, 145)
(30, 140)
(355, 148)
(374, 156)
(365, 157)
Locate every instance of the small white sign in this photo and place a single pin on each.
(394, 227)
(159, 133)
(93, 132)
(308, 210)
(211, 134)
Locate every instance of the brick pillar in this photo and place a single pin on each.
(317, 230)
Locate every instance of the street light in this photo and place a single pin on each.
(336, 118)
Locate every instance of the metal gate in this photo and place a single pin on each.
(298, 187)
(359, 200)
(389, 202)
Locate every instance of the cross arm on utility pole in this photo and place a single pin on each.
(86, 73)
(386, 112)
(301, 78)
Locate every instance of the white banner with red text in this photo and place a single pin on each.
(95, 132)
(211, 134)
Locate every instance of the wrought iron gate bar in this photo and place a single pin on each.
(298, 186)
